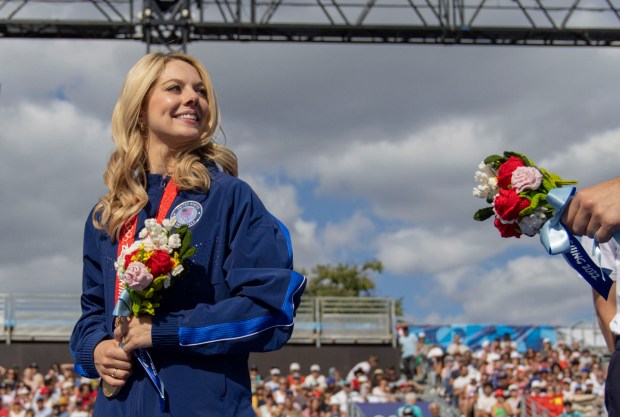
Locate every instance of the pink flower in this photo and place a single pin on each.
(526, 178)
(137, 277)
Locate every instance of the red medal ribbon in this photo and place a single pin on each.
(128, 231)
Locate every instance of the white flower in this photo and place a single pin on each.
(177, 270)
(487, 182)
(168, 224)
(530, 225)
(167, 281)
(174, 241)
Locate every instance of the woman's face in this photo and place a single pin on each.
(177, 108)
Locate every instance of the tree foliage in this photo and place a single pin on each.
(342, 280)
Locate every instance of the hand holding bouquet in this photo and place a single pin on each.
(526, 199)
(146, 268)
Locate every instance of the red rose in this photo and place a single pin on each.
(505, 170)
(159, 263)
(128, 258)
(508, 204)
(507, 229)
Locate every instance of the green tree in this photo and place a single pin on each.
(342, 280)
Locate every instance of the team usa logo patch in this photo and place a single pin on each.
(188, 212)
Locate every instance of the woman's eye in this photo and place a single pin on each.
(174, 88)
(202, 92)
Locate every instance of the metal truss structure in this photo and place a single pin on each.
(175, 23)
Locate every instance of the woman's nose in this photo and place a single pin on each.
(191, 96)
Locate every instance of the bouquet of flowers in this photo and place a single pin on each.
(148, 266)
(526, 199)
(517, 191)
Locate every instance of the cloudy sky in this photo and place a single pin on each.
(365, 152)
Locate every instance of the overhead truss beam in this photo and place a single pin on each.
(176, 23)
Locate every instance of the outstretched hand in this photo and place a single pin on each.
(595, 211)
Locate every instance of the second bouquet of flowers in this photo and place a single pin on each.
(517, 191)
(525, 199)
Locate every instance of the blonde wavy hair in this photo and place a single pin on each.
(126, 173)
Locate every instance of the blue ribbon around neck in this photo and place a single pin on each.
(123, 309)
(557, 240)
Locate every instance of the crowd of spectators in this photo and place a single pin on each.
(495, 379)
(488, 382)
(34, 392)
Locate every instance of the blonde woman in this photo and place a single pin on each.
(239, 293)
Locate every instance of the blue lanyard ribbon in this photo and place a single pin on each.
(557, 240)
(123, 309)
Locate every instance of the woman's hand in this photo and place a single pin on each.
(135, 332)
(112, 362)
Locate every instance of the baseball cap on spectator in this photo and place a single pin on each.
(536, 384)
(515, 355)
(275, 371)
(499, 393)
(315, 368)
(513, 387)
(294, 367)
(421, 334)
(546, 340)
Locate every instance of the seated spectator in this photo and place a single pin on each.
(410, 408)
(501, 408)
(485, 401)
(315, 378)
(568, 410)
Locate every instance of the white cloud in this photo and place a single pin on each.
(422, 251)
(529, 289)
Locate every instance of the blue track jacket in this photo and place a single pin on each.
(239, 296)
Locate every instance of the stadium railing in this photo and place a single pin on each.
(320, 320)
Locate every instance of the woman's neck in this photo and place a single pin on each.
(160, 158)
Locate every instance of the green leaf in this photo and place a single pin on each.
(492, 159)
(483, 214)
(520, 156)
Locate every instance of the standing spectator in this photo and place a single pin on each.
(408, 342)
